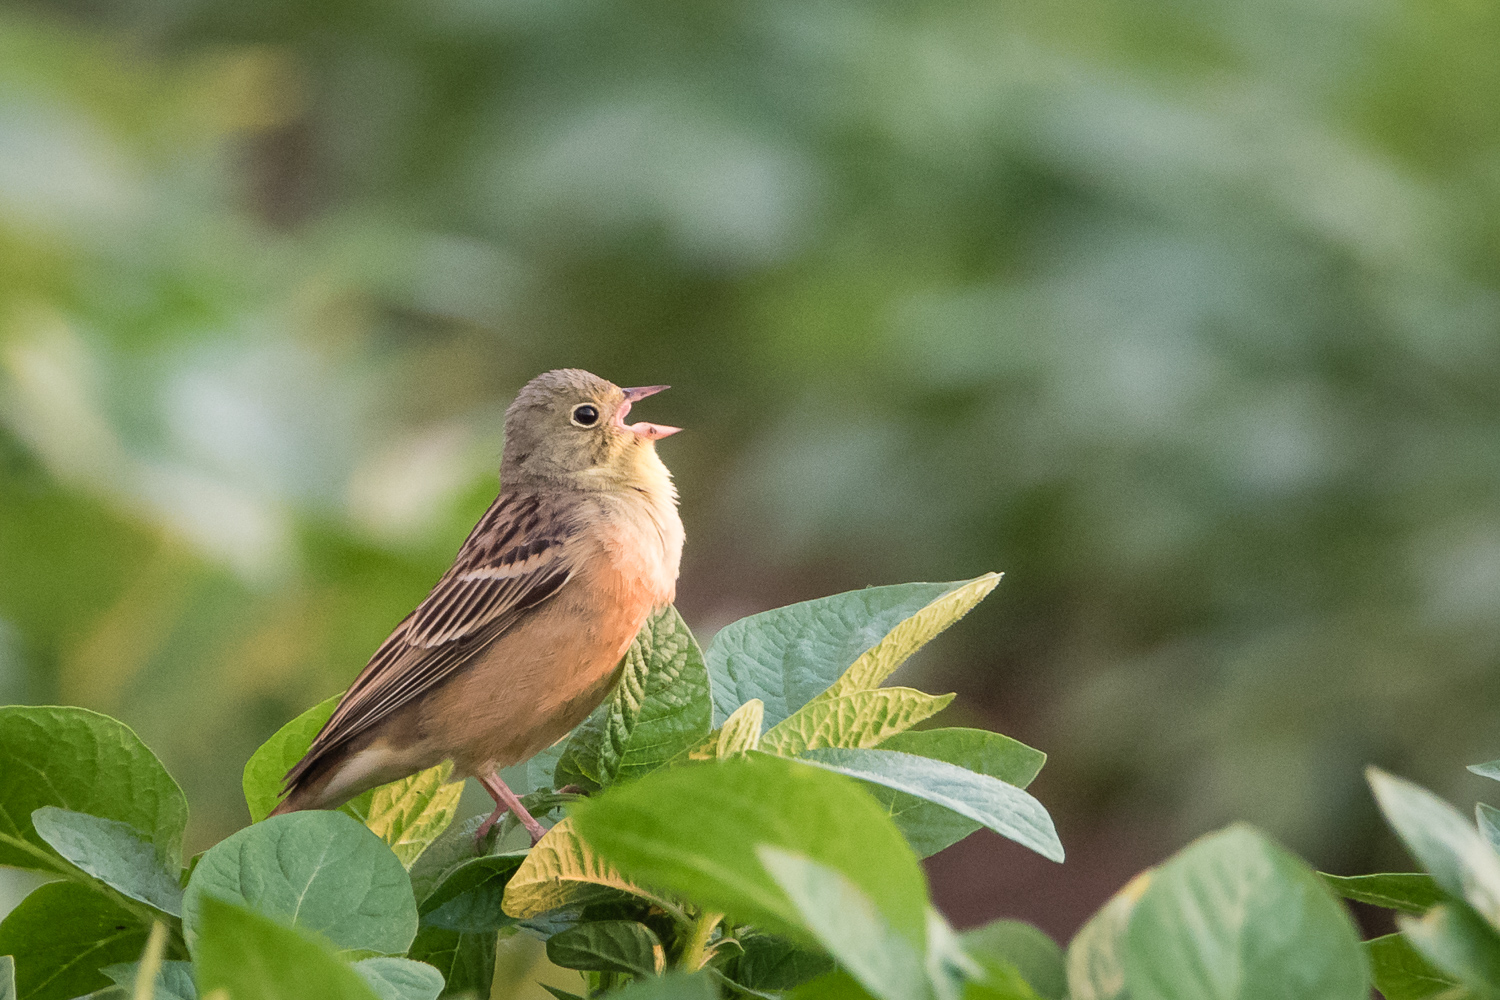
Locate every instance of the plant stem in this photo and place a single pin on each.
(696, 954)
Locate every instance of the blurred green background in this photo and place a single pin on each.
(1183, 314)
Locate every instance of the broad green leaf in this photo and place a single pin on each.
(1459, 942)
(112, 852)
(174, 981)
(672, 986)
(695, 830)
(1488, 818)
(1036, 957)
(267, 767)
(400, 978)
(609, 946)
(465, 961)
(659, 709)
(835, 985)
(319, 871)
(410, 814)
(772, 964)
(1489, 770)
(1096, 955)
(1004, 808)
(562, 869)
(471, 894)
(1400, 972)
(7, 977)
(86, 762)
(1233, 916)
(1000, 981)
(862, 720)
(62, 935)
(252, 957)
(788, 656)
(1410, 892)
(846, 922)
(928, 827)
(741, 731)
(1460, 860)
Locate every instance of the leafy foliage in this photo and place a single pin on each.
(707, 863)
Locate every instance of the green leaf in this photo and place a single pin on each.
(1460, 860)
(659, 709)
(929, 827)
(788, 656)
(114, 853)
(988, 801)
(7, 977)
(561, 869)
(1489, 823)
(86, 762)
(1400, 972)
(400, 978)
(694, 830)
(608, 946)
(1233, 916)
(741, 731)
(465, 961)
(62, 935)
(672, 986)
(319, 871)
(1490, 770)
(861, 719)
(847, 922)
(1035, 956)
(470, 896)
(1096, 955)
(267, 767)
(410, 814)
(253, 957)
(1459, 942)
(174, 980)
(771, 963)
(1410, 892)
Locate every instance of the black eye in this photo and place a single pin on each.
(585, 415)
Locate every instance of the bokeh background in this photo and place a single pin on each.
(1184, 314)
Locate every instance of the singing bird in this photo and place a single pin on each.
(522, 637)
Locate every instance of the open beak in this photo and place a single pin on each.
(651, 432)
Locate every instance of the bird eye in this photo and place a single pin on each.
(585, 415)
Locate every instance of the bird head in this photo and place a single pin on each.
(568, 426)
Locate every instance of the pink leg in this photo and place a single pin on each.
(506, 801)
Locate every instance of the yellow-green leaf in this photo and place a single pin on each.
(560, 869)
(741, 731)
(410, 813)
(858, 719)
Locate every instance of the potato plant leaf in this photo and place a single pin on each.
(252, 957)
(471, 894)
(7, 977)
(1035, 956)
(1401, 973)
(1488, 818)
(846, 922)
(559, 870)
(771, 963)
(269, 764)
(1489, 770)
(608, 946)
(85, 762)
(1409, 892)
(1004, 808)
(696, 830)
(861, 720)
(1460, 860)
(1458, 942)
(1233, 916)
(112, 852)
(400, 978)
(62, 935)
(409, 814)
(1096, 955)
(465, 961)
(660, 708)
(672, 986)
(788, 656)
(741, 731)
(319, 871)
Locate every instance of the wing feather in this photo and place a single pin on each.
(517, 556)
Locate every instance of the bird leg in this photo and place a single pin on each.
(506, 801)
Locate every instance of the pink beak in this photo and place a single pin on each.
(651, 432)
